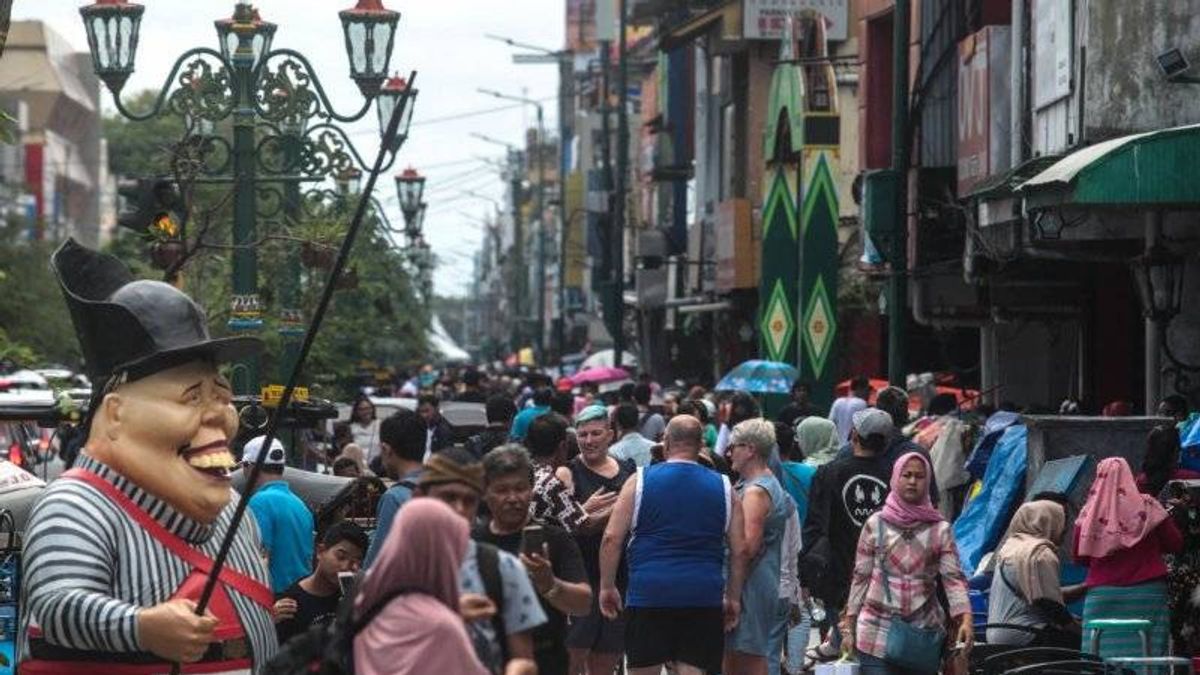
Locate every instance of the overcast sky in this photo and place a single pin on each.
(442, 39)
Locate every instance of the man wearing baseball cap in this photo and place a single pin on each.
(285, 523)
(845, 492)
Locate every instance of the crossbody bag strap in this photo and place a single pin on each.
(1004, 578)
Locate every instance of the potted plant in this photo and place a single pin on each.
(320, 240)
(166, 248)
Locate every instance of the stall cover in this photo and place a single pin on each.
(985, 517)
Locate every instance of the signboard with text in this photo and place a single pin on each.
(764, 19)
(983, 106)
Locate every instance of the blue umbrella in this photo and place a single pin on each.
(760, 377)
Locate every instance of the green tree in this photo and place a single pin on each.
(137, 149)
(36, 325)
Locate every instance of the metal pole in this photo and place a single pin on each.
(1152, 329)
(1016, 122)
(897, 297)
(518, 263)
(606, 160)
(245, 255)
(618, 221)
(566, 70)
(290, 289)
(539, 147)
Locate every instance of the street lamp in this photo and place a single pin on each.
(370, 30)
(349, 181)
(261, 33)
(1159, 277)
(112, 32)
(410, 187)
(393, 93)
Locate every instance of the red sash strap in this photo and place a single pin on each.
(242, 583)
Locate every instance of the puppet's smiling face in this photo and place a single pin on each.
(169, 433)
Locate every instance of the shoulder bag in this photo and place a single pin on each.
(909, 646)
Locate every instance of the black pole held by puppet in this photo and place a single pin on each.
(364, 200)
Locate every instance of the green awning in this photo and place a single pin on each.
(1157, 168)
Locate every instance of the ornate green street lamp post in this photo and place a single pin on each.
(270, 110)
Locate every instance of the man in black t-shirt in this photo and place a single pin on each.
(314, 599)
(845, 492)
(556, 570)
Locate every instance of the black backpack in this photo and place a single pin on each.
(328, 649)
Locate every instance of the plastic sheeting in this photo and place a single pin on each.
(992, 432)
(1189, 438)
(986, 517)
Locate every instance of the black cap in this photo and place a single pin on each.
(135, 326)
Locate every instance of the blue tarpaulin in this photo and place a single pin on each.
(985, 517)
(1189, 438)
(993, 429)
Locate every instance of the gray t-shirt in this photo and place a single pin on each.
(522, 611)
(1007, 605)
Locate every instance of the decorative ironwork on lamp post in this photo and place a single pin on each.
(270, 97)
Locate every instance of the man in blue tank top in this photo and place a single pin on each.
(681, 517)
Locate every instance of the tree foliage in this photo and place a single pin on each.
(36, 326)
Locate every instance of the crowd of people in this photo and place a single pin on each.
(578, 533)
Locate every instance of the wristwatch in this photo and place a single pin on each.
(555, 589)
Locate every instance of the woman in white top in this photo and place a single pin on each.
(365, 427)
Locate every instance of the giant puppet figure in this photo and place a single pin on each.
(118, 548)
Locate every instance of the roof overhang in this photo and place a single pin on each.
(728, 16)
(1154, 169)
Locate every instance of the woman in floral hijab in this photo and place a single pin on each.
(1121, 535)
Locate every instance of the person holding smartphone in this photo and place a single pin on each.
(595, 642)
(314, 599)
(549, 553)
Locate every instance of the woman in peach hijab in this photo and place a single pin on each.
(415, 577)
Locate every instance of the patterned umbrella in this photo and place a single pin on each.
(760, 377)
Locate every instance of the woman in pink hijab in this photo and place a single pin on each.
(1121, 535)
(418, 630)
(905, 550)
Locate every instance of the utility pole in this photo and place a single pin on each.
(518, 257)
(540, 343)
(897, 296)
(618, 221)
(606, 160)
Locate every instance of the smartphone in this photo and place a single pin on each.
(346, 582)
(533, 538)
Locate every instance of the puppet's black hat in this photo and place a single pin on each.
(137, 327)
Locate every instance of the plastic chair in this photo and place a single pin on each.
(1032, 656)
(1140, 626)
(1099, 626)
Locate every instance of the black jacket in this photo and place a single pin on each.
(845, 492)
